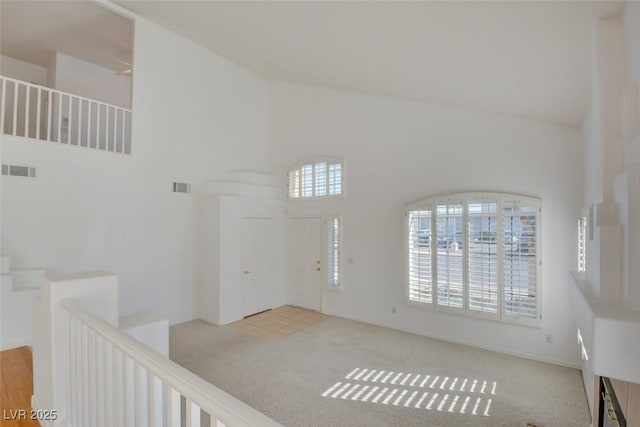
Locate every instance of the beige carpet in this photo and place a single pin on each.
(338, 372)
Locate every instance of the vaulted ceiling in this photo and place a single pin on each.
(529, 59)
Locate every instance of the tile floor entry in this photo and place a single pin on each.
(279, 322)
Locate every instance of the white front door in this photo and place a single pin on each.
(305, 269)
(257, 265)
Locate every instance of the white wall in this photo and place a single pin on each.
(196, 115)
(82, 78)
(396, 152)
(632, 33)
(20, 70)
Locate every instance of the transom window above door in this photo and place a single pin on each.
(318, 177)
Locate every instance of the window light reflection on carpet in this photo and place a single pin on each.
(450, 394)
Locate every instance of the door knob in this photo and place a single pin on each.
(247, 272)
(318, 269)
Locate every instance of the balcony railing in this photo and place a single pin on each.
(38, 112)
(89, 373)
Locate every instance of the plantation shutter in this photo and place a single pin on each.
(335, 179)
(307, 180)
(449, 254)
(520, 259)
(320, 173)
(334, 251)
(319, 179)
(420, 271)
(482, 256)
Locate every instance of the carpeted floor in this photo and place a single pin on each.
(339, 372)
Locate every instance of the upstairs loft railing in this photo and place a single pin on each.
(38, 112)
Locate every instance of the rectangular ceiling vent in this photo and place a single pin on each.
(18, 170)
(181, 187)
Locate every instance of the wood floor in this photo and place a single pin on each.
(16, 387)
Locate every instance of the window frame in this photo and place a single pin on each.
(313, 161)
(431, 203)
(582, 243)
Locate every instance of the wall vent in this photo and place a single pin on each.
(18, 170)
(181, 187)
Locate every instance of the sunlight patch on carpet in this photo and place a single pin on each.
(431, 392)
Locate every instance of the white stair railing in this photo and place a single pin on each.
(33, 111)
(93, 374)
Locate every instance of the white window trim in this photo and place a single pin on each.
(313, 161)
(500, 316)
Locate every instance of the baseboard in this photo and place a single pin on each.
(467, 343)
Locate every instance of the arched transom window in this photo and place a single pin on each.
(320, 177)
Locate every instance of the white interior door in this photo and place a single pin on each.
(305, 269)
(257, 265)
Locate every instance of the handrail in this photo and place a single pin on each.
(208, 397)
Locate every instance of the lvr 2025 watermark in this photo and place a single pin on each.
(30, 414)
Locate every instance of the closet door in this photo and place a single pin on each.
(257, 264)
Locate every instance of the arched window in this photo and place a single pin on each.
(321, 177)
(476, 254)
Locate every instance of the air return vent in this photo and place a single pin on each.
(17, 170)
(181, 187)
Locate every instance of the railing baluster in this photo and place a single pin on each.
(86, 400)
(59, 112)
(127, 149)
(49, 101)
(91, 377)
(106, 128)
(141, 396)
(98, 113)
(123, 127)
(72, 403)
(16, 89)
(89, 124)
(156, 413)
(69, 119)
(129, 392)
(194, 410)
(38, 114)
(79, 141)
(108, 375)
(77, 366)
(3, 107)
(173, 406)
(98, 388)
(118, 410)
(27, 107)
(115, 129)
